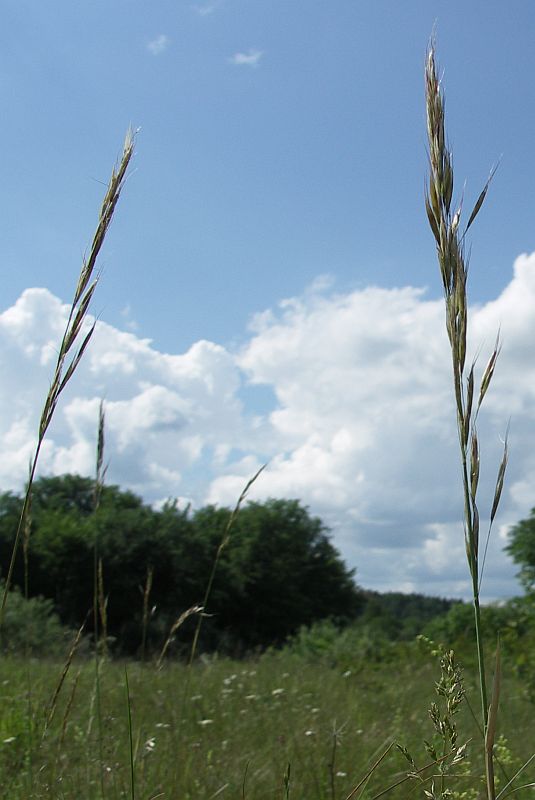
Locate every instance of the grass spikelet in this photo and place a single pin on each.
(65, 368)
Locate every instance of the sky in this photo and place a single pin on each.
(269, 290)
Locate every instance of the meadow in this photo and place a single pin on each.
(233, 728)
(287, 723)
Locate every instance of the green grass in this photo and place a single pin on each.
(241, 720)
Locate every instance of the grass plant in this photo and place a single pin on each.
(75, 339)
(444, 220)
(257, 715)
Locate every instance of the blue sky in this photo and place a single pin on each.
(251, 180)
(281, 159)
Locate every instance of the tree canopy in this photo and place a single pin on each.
(522, 549)
(279, 570)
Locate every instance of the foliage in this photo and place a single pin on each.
(356, 647)
(31, 627)
(521, 547)
(278, 572)
(239, 720)
(402, 616)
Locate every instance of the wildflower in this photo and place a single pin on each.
(277, 692)
(150, 744)
(205, 722)
(340, 774)
(310, 733)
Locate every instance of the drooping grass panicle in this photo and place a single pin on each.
(66, 364)
(453, 269)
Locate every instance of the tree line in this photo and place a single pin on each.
(278, 571)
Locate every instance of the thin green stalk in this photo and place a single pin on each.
(27, 633)
(363, 782)
(99, 483)
(130, 737)
(225, 539)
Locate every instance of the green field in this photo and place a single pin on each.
(231, 728)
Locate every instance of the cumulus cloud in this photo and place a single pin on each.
(360, 426)
(249, 59)
(158, 45)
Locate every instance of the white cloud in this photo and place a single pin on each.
(249, 59)
(206, 9)
(361, 427)
(129, 321)
(158, 45)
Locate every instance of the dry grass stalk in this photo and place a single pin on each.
(225, 539)
(73, 343)
(145, 619)
(26, 539)
(72, 652)
(68, 707)
(364, 781)
(175, 626)
(101, 469)
(102, 610)
(444, 222)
